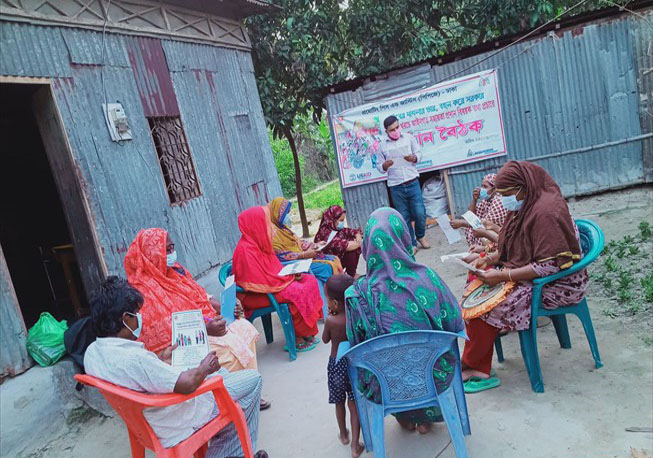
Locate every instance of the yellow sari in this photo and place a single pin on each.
(285, 242)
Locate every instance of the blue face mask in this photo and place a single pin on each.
(341, 225)
(483, 194)
(137, 331)
(286, 220)
(511, 203)
(171, 259)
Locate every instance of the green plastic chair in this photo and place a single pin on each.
(592, 241)
(265, 313)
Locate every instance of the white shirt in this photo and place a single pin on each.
(402, 170)
(127, 363)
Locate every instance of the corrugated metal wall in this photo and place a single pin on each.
(221, 112)
(13, 335)
(571, 102)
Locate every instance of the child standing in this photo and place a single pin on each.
(340, 389)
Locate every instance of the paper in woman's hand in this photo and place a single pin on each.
(228, 301)
(298, 267)
(329, 240)
(466, 265)
(453, 235)
(473, 220)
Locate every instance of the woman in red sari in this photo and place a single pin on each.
(347, 242)
(152, 268)
(256, 267)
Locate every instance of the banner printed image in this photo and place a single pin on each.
(454, 122)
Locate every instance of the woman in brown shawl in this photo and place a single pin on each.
(539, 238)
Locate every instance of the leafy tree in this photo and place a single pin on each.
(295, 53)
(386, 35)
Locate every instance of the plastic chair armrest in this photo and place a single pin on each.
(342, 349)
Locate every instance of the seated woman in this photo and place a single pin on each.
(490, 210)
(398, 294)
(152, 268)
(289, 247)
(118, 358)
(347, 242)
(539, 238)
(256, 269)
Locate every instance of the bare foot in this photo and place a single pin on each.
(469, 373)
(424, 428)
(357, 449)
(344, 438)
(408, 426)
(425, 244)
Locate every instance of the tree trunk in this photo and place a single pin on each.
(298, 180)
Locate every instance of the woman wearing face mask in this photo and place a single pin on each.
(152, 268)
(289, 247)
(486, 204)
(539, 238)
(346, 244)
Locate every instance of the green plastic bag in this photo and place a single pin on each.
(45, 340)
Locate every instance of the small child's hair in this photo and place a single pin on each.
(336, 286)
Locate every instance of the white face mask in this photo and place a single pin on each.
(171, 259)
(341, 225)
(139, 328)
(511, 203)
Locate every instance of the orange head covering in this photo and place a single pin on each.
(165, 290)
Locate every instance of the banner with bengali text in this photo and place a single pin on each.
(455, 122)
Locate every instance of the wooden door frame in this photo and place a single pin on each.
(64, 153)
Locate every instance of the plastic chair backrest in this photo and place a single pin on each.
(592, 242)
(129, 404)
(225, 271)
(403, 363)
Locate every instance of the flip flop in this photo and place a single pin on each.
(313, 344)
(477, 384)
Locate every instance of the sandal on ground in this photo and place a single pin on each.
(264, 405)
(259, 454)
(477, 384)
(307, 345)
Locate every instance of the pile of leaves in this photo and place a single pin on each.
(624, 272)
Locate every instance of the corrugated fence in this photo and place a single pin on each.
(577, 102)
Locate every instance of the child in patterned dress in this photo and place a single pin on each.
(340, 389)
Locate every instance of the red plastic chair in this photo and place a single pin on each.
(130, 404)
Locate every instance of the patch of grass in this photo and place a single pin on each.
(644, 230)
(624, 296)
(611, 264)
(648, 340)
(625, 279)
(324, 198)
(647, 284)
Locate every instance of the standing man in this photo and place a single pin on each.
(398, 157)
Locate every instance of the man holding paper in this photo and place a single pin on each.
(117, 357)
(398, 156)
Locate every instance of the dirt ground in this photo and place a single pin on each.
(584, 412)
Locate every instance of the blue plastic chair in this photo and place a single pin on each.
(403, 364)
(265, 313)
(592, 242)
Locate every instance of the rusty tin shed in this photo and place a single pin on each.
(190, 148)
(576, 98)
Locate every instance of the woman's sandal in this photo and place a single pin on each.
(307, 345)
(477, 384)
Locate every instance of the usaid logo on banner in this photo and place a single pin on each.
(359, 176)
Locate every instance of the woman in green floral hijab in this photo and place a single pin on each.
(398, 294)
